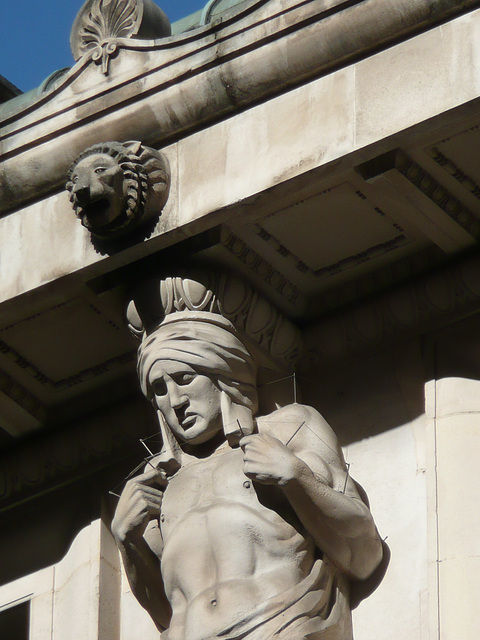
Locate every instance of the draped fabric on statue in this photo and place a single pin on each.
(315, 609)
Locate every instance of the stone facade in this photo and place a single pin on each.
(325, 154)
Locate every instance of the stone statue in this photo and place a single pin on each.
(116, 187)
(243, 526)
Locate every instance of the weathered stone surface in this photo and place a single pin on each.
(453, 419)
(377, 406)
(328, 105)
(269, 128)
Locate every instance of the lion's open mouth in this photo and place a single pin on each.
(97, 213)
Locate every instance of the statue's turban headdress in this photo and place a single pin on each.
(209, 345)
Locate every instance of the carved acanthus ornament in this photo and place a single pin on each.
(100, 24)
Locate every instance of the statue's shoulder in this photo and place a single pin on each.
(292, 413)
(303, 428)
(292, 416)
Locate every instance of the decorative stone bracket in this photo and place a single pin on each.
(101, 23)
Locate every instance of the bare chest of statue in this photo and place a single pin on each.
(228, 545)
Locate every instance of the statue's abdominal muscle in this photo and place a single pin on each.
(217, 535)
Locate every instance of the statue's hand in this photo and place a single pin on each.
(139, 503)
(267, 460)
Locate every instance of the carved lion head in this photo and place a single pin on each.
(114, 187)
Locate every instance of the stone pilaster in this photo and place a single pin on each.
(453, 411)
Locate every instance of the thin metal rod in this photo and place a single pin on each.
(295, 388)
(147, 448)
(292, 437)
(346, 477)
(154, 435)
(266, 384)
(240, 427)
(112, 493)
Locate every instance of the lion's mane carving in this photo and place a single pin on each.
(115, 187)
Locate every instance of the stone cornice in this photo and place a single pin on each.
(158, 91)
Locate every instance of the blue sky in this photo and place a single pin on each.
(35, 34)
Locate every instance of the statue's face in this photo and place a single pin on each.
(189, 401)
(98, 190)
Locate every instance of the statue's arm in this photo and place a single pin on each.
(139, 541)
(312, 474)
(341, 524)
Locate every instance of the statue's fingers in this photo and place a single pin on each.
(252, 467)
(246, 440)
(152, 476)
(142, 506)
(251, 457)
(150, 491)
(153, 507)
(154, 504)
(258, 476)
(252, 446)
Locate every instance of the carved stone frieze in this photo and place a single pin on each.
(100, 24)
(262, 268)
(117, 187)
(413, 308)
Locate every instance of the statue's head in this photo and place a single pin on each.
(115, 187)
(189, 400)
(200, 376)
(203, 338)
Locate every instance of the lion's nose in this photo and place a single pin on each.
(81, 192)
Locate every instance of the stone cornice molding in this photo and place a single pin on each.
(215, 69)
